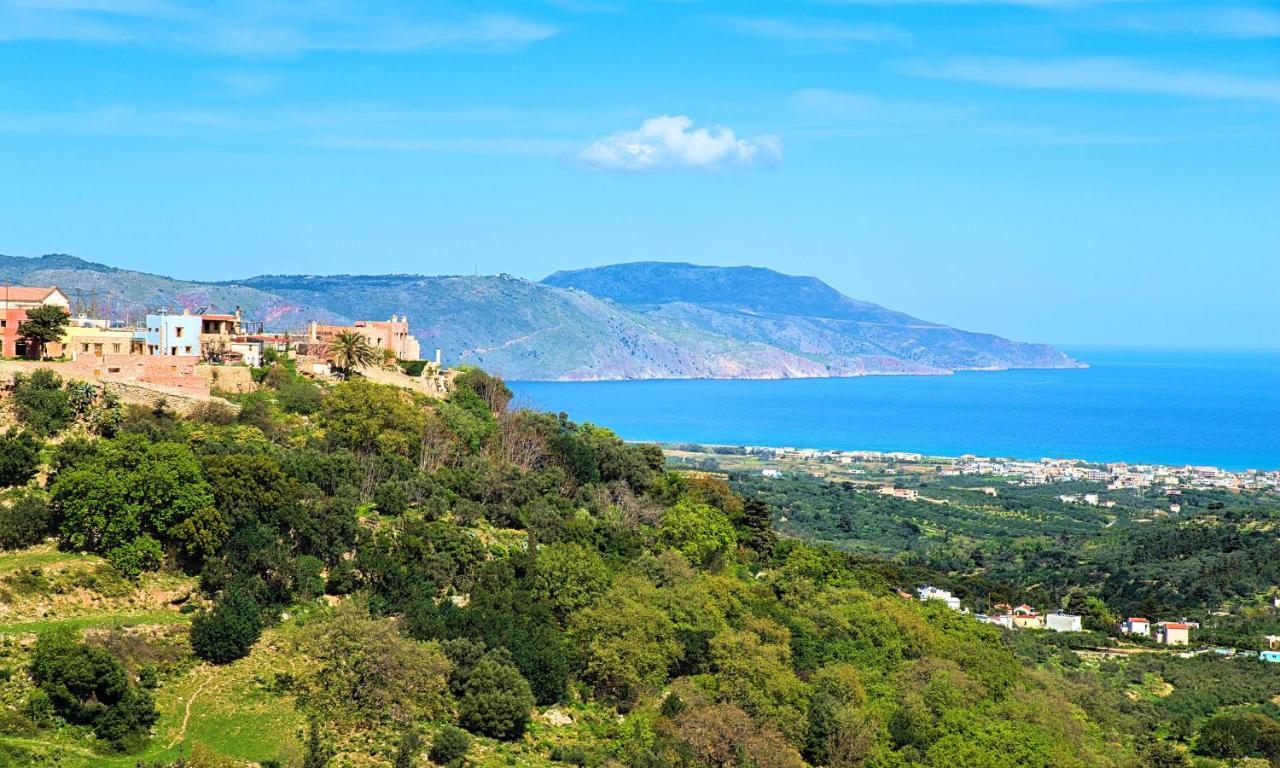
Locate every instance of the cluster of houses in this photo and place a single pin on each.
(1026, 617)
(166, 347)
(1116, 475)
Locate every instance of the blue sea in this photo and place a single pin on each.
(1212, 407)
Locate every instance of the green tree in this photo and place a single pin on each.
(568, 576)
(127, 488)
(370, 418)
(450, 746)
(701, 532)
(44, 325)
(25, 519)
(87, 685)
(41, 402)
(496, 700)
(369, 673)
(350, 351)
(626, 644)
(229, 631)
(19, 457)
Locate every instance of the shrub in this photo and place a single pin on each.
(142, 554)
(25, 520)
(300, 396)
(496, 699)
(449, 746)
(42, 405)
(87, 685)
(228, 631)
(19, 457)
(391, 497)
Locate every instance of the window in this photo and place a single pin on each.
(115, 348)
(84, 347)
(178, 331)
(4, 323)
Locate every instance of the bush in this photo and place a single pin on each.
(42, 405)
(449, 746)
(229, 630)
(496, 699)
(142, 554)
(88, 686)
(19, 458)
(300, 396)
(391, 497)
(25, 520)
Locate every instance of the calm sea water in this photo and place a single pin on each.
(1170, 407)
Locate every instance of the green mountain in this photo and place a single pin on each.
(804, 316)
(630, 321)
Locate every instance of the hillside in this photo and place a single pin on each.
(804, 316)
(630, 321)
(128, 295)
(360, 577)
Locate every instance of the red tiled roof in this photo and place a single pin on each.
(27, 292)
(211, 316)
(1139, 621)
(1176, 625)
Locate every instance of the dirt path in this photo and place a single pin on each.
(182, 731)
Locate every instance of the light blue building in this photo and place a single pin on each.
(173, 335)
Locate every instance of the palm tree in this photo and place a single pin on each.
(350, 351)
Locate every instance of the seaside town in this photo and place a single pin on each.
(1117, 476)
(191, 352)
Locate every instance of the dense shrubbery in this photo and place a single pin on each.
(19, 457)
(87, 686)
(494, 560)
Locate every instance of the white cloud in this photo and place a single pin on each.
(671, 141)
(1100, 74)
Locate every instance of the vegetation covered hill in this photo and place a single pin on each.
(126, 295)
(804, 316)
(357, 576)
(631, 321)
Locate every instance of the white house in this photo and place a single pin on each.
(1136, 626)
(1063, 622)
(929, 593)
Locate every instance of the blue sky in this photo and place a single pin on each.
(1066, 171)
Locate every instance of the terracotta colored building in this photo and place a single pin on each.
(15, 300)
(392, 335)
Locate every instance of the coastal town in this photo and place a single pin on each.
(895, 467)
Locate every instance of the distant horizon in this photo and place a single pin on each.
(1066, 346)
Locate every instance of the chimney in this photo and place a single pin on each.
(437, 357)
(312, 331)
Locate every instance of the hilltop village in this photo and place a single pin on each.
(186, 353)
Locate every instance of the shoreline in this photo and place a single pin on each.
(1041, 471)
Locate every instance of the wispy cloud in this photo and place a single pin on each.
(492, 145)
(1241, 23)
(1101, 75)
(671, 141)
(268, 27)
(820, 31)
